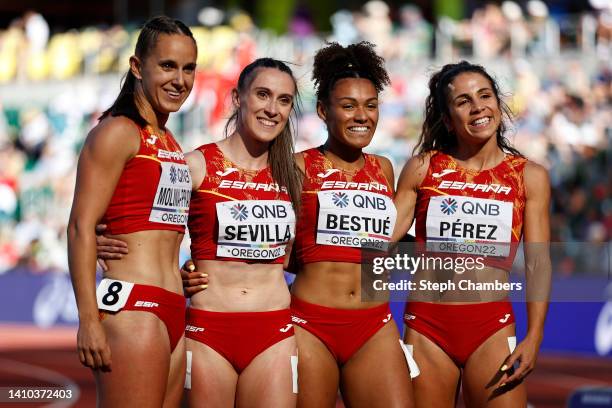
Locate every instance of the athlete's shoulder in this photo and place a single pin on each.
(418, 165)
(535, 175)
(386, 166)
(114, 134)
(414, 171)
(205, 147)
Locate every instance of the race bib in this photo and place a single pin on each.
(112, 295)
(354, 218)
(171, 203)
(468, 225)
(254, 229)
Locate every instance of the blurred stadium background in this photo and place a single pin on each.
(61, 63)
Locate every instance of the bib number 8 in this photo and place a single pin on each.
(112, 294)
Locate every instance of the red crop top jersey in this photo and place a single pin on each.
(343, 212)
(154, 189)
(475, 213)
(239, 215)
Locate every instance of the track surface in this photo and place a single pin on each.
(43, 358)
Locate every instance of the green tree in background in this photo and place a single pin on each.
(274, 14)
(449, 8)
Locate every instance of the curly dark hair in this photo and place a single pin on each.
(334, 62)
(434, 134)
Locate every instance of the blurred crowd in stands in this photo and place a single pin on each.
(558, 81)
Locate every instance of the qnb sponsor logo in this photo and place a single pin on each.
(179, 174)
(351, 185)
(505, 318)
(448, 206)
(194, 329)
(485, 188)
(298, 320)
(247, 185)
(328, 173)
(286, 328)
(239, 212)
(144, 303)
(443, 173)
(165, 154)
(227, 171)
(340, 199)
(173, 175)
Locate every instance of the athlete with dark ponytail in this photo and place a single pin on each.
(464, 162)
(342, 340)
(132, 176)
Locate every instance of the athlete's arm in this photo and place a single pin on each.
(108, 248)
(107, 148)
(536, 230)
(410, 179)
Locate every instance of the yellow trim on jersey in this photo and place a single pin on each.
(218, 194)
(144, 156)
(434, 189)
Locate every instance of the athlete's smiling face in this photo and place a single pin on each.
(351, 112)
(167, 72)
(265, 105)
(474, 112)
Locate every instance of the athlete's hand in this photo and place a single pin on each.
(193, 281)
(93, 348)
(108, 248)
(526, 353)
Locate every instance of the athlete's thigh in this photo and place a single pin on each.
(318, 373)
(438, 381)
(213, 378)
(377, 374)
(140, 355)
(176, 376)
(482, 371)
(268, 381)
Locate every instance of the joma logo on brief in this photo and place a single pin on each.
(142, 303)
(194, 329)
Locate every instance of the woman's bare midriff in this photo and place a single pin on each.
(241, 287)
(152, 260)
(332, 284)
